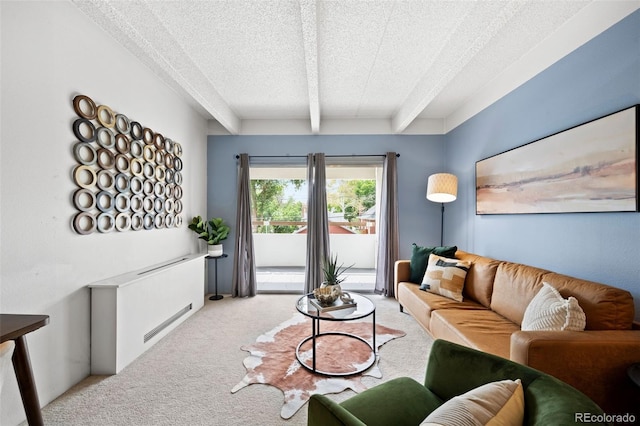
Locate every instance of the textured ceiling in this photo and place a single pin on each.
(397, 62)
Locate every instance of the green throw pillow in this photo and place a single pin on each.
(420, 258)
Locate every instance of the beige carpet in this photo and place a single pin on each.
(186, 378)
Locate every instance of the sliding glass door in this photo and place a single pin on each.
(279, 218)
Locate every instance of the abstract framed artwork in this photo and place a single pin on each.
(592, 167)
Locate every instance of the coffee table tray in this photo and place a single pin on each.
(338, 304)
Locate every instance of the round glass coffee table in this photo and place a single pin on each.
(364, 308)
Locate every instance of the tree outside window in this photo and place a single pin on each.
(279, 205)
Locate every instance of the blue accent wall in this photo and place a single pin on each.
(420, 156)
(601, 77)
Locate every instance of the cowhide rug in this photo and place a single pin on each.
(272, 360)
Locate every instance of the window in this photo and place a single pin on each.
(279, 200)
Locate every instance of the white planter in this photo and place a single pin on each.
(215, 250)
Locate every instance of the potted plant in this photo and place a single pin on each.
(332, 271)
(330, 289)
(212, 231)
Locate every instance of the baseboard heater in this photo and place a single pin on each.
(133, 311)
(167, 323)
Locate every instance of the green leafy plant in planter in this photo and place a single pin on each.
(213, 231)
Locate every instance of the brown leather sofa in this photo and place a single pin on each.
(496, 294)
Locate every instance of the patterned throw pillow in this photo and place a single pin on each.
(499, 403)
(445, 276)
(420, 257)
(548, 310)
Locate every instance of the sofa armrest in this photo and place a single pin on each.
(400, 402)
(401, 273)
(594, 362)
(323, 411)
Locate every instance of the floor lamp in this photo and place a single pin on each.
(442, 188)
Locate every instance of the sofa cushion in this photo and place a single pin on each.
(445, 276)
(513, 288)
(484, 330)
(549, 311)
(420, 258)
(606, 307)
(421, 303)
(478, 285)
(499, 403)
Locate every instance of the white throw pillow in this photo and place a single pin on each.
(496, 403)
(549, 311)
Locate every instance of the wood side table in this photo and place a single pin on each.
(15, 327)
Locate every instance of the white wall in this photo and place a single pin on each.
(291, 249)
(50, 52)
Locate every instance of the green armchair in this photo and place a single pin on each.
(453, 370)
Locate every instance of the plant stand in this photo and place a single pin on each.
(215, 258)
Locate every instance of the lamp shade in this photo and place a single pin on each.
(442, 188)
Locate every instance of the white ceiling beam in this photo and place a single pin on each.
(308, 16)
(429, 87)
(160, 52)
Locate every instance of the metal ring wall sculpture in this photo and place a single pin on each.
(128, 176)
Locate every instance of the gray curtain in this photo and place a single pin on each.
(244, 266)
(317, 221)
(388, 240)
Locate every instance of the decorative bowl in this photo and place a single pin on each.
(326, 295)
